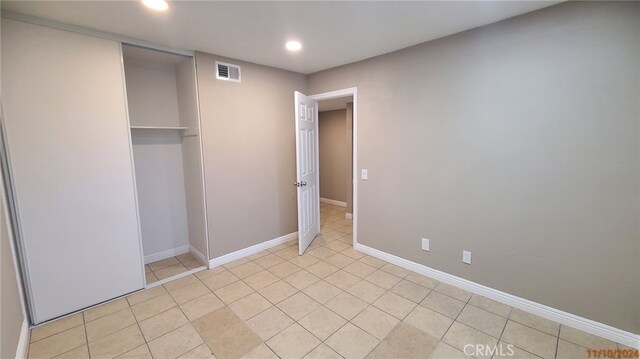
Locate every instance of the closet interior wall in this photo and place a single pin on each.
(163, 110)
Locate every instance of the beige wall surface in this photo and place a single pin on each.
(152, 96)
(334, 154)
(192, 155)
(11, 316)
(152, 100)
(160, 183)
(249, 153)
(518, 141)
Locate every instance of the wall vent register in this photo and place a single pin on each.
(227, 72)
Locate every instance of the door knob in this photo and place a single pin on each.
(303, 184)
(297, 184)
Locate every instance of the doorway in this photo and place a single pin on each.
(328, 198)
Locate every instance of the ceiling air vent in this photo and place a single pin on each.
(227, 72)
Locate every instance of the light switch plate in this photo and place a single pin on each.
(466, 257)
(425, 244)
(364, 174)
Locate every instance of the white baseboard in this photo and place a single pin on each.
(251, 250)
(348, 215)
(556, 315)
(198, 254)
(23, 342)
(166, 254)
(333, 202)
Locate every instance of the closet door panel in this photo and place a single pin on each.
(68, 140)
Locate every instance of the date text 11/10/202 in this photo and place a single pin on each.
(612, 353)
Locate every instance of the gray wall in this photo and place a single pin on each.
(518, 141)
(152, 96)
(153, 101)
(334, 154)
(249, 153)
(168, 164)
(157, 156)
(192, 155)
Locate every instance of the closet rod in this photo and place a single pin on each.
(158, 128)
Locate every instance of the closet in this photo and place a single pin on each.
(162, 103)
(101, 155)
(68, 169)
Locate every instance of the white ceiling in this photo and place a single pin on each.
(334, 104)
(332, 33)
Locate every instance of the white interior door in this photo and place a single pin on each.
(67, 136)
(307, 180)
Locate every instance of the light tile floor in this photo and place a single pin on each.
(169, 267)
(332, 302)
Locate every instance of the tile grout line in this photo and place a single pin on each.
(242, 279)
(524, 325)
(49, 336)
(480, 330)
(368, 305)
(183, 313)
(454, 320)
(169, 293)
(276, 306)
(191, 321)
(139, 327)
(557, 342)
(503, 328)
(172, 265)
(64, 331)
(349, 321)
(298, 291)
(363, 260)
(301, 291)
(86, 335)
(146, 343)
(379, 340)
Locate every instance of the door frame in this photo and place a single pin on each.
(351, 91)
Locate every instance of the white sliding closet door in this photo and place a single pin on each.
(69, 150)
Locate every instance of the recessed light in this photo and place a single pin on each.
(158, 5)
(293, 45)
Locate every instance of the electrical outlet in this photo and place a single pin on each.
(425, 244)
(364, 174)
(466, 257)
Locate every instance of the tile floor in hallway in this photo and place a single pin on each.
(332, 302)
(169, 267)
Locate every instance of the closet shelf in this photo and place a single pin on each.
(158, 128)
